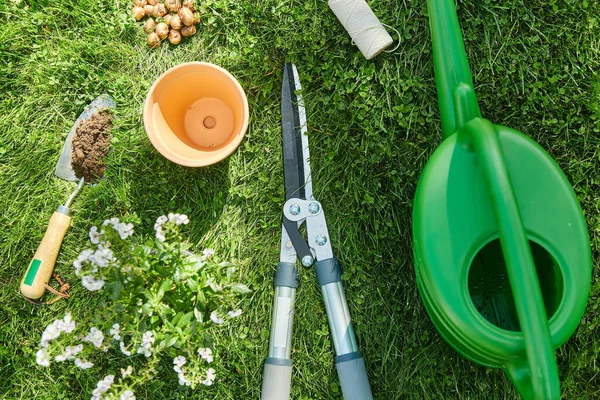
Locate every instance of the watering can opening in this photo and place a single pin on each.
(489, 286)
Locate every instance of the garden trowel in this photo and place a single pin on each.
(36, 278)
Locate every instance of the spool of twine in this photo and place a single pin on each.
(363, 26)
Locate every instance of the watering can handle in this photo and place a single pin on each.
(450, 63)
(540, 379)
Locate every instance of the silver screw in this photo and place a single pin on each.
(307, 261)
(321, 240)
(294, 209)
(288, 244)
(313, 208)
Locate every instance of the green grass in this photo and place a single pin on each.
(373, 126)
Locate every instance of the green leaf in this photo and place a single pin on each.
(240, 288)
(115, 291)
(164, 287)
(185, 319)
(177, 318)
(192, 284)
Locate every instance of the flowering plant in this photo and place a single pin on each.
(158, 300)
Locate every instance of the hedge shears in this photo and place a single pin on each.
(301, 207)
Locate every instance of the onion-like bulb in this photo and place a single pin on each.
(188, 30)
(153, 40)
(149, 25)
(186, 15)
(174, 36)
(162, 30)
(175, 22)
(138, 13)
(159, 10)
(189, 4)
(173, 5)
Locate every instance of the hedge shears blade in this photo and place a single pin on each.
(297, 176)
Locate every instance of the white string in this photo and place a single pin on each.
(399, 38)
(363, 26)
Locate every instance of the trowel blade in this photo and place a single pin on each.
(64, 170)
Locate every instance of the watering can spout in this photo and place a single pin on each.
(520, 375)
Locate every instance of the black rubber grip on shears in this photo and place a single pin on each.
(296, 238)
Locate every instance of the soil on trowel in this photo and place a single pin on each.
(91, 144)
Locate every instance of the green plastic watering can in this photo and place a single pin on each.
(502, 253)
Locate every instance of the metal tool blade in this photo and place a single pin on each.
(295, 141)
(64, 170)
(296, 170)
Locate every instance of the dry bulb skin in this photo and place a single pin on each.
(140, 3)
(152, 2)
(175, 22)
(189, 4)
(153, 40)
(196, 18)
(174, 36)
(159, 10)
(173, 5)
(187, 16)
(138, 13)
(149, 25)
(148, 9)
(167, 18)
(188, 31)
(162, 30)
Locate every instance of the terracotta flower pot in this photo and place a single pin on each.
(196, 114)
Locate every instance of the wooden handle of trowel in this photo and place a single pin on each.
(40, 269)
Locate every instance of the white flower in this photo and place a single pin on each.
(146, 346)
(160, 235)
(91, 283)
(102, 257)
(52, 331)
(82, 258)
(95, 235)
(41, 357)
(210, 377)
(95, 337)
(124, 349)
(146, 351)
(115, 332)
(127, 395)
(206, 354)
(148, 338)
(161, 220)
(103, 387)
(208, 253)
(124, 230)
(112, 221)
(83, 364)
(69, 353)
(183, 380)
(126, 372)
(235, 313)
(66, 325)
(178, 219)
(178, 362)
(214, 317)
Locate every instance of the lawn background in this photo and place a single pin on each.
(372, 124)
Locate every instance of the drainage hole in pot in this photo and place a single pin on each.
(490, 290)
(209, 122)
